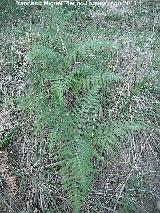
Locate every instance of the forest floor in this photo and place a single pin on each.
(131, 173)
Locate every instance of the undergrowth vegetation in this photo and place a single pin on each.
(79, 104)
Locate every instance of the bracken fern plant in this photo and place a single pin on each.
(72, 79)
